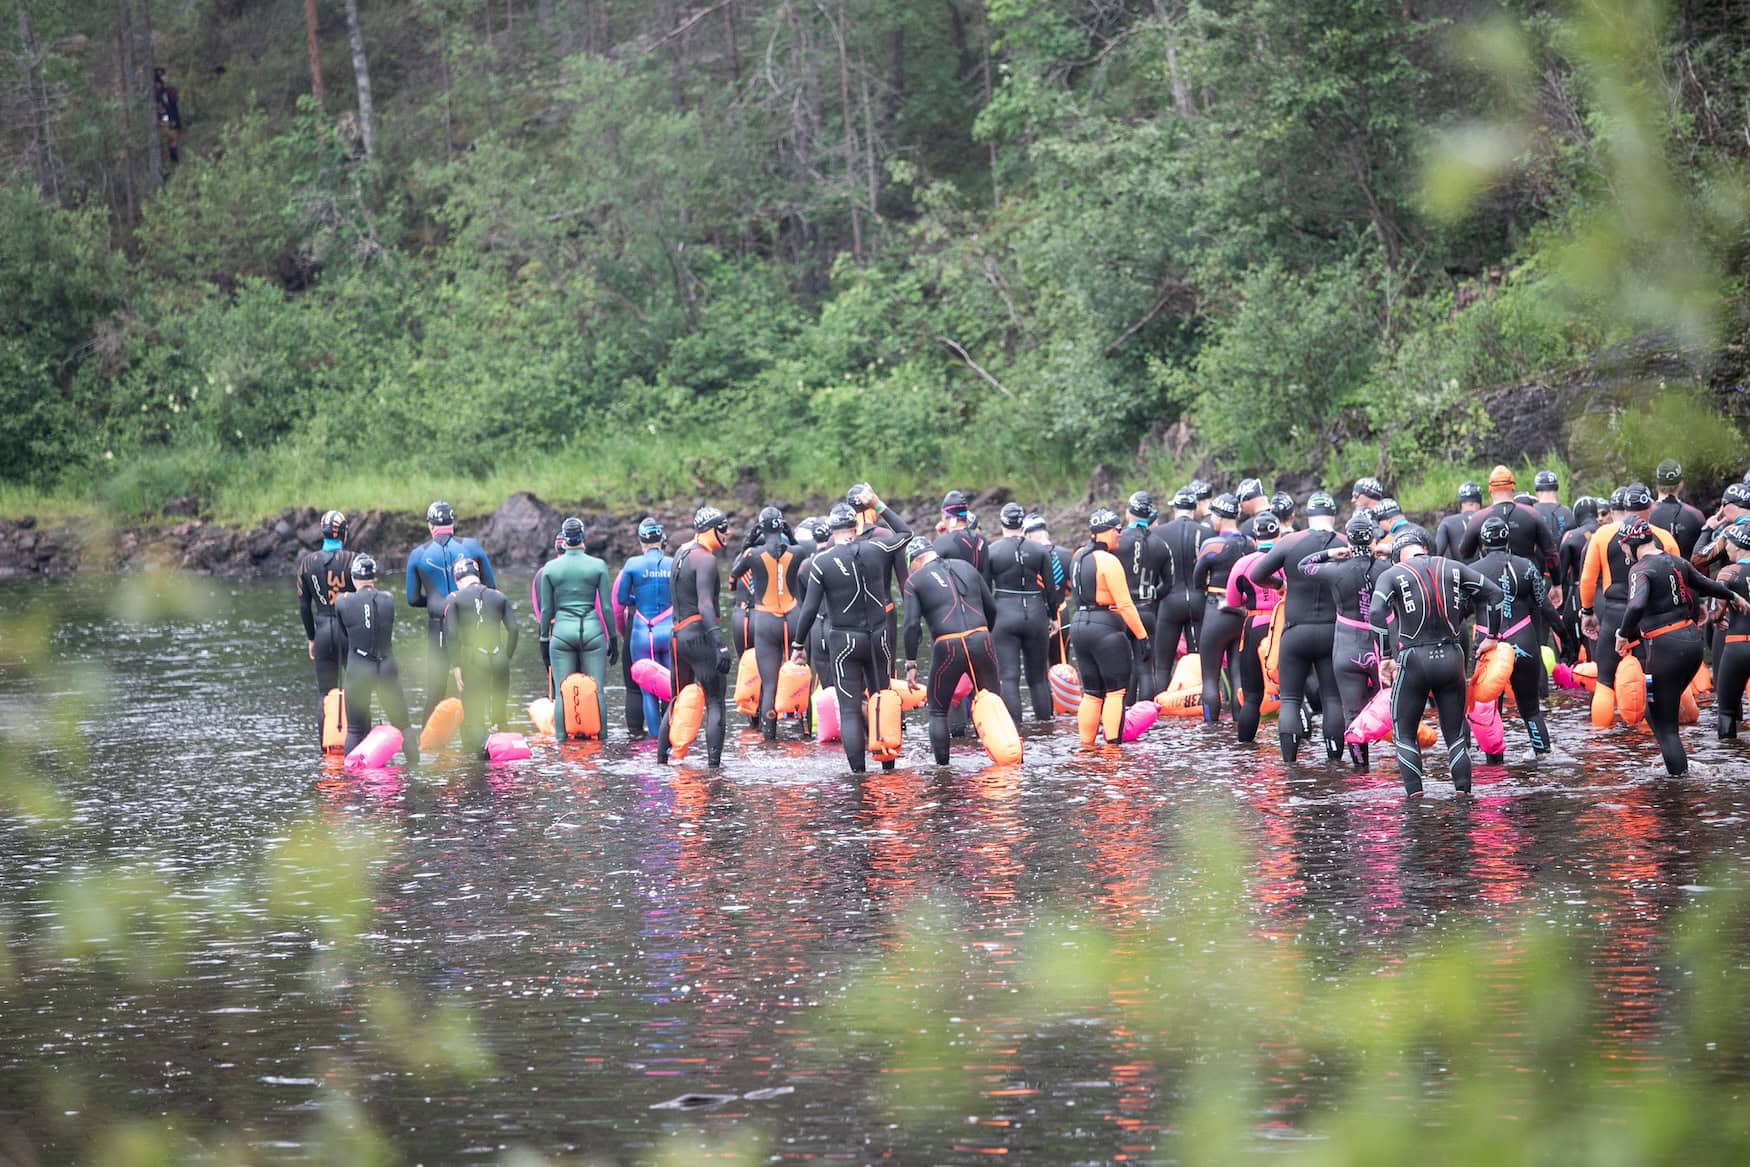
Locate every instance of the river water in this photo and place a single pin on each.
(620, 935)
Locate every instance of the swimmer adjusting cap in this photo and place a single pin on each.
(771, 520)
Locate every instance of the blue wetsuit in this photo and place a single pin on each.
(431, 575)
(643, 591)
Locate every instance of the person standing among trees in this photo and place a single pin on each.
(169, 113)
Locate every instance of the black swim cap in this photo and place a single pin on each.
(1524, 499)
(817, 529)
(1225, 505)
(1669, 473)
(917, 547)
(1413, 537)
(466, 569)
(842, 517)
(1282, 504)
(854, 496)
(1361, 530)
(954, 503)
(650, 531)
(1142, 505)
(1634, 532)
(1585, 507)
(1545, 480)
(1738, 535)
(1737, 494)
(334, 525)
(1265, 526)
(1494, 532)
(1321, 504)
(1033, 522)
(1185, 500)
(571, 531)
(1388, 508)
(1369, 486)
(710, 519)
(364, 567)
(1249, 489)
(1616, 497)
(1011, 516)
(439, 514)
(771, 520)
(1103, 519)
(1201, 489)
(1469, 492)
(1636, 496)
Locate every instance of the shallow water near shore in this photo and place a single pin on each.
(622, 935)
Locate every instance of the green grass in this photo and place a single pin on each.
(1437, 491)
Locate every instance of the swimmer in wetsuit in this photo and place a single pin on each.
(1309, 635)
(1179, 611)
(1223, 628)
(480, 635)
(1732, 668)
(960, 538)
(1670, 511)
(700, 652)
(773, 568)
(884, 527)
(1548, 503)
(1351, 572)
(644, 616)
(323, 577)
(431, 577)
(574, 623)
(1526, 616)
(364, 633)
(1147, 564)
(1027, 585)
(1105, 626)
(1451, 529)
(954, 600)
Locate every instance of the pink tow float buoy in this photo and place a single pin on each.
(507, 747)
(1486, 727)
(826, 715)
(963, 689)
(654, 678)
(1373, 723)
(375, 751)
(1138, 720)
(1564, 677)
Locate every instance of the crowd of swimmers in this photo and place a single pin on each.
(1275, 601)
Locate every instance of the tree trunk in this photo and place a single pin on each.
(544, 13)
(361, 71)
(1183, 103)
(37, 113)
(851, 161)
(137, 52)
(734, 52)
(315, 52)
(125, 93)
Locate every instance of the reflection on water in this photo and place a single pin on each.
(623, 935)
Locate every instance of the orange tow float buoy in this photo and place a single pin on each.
(440, 725)
(884, 725)
(578, 708)
(996, 729)
(684, 718)
(334, 722)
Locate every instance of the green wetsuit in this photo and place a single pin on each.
(572, 588)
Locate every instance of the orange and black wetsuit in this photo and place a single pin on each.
(323, 577)
(773, 570)
(1659, 620)
(700, 652)
(1024, 582)
(1106, 624)
(1604, 591)
(953, 597)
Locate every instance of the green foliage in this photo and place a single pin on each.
(1629, 432)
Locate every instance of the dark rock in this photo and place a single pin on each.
(28, 522)
(282, 528)
(185, 507)
(310, 536)
(1103, 486)
(262, 545)
(520, 532)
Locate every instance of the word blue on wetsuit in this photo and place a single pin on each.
(644, 589)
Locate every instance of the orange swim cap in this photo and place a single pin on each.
(1501, 478)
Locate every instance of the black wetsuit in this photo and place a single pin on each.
(1218, 644)
(323, 577)
(845, 582)
(364, 633)
(1061, 558)
(1528, 536)
(480, 637)
(1147, 564)
(1179, 612)
(700, 652)
(1025, 582)
(1450, 533)
(966, 545)
(1526, 618)
(1683, 521)
(1557, 517)
(1570, 558)
(1354, 655)
(773, 570)
(1418, 611)
(1732, 672)
(1308, 638)
(957, 603)
(890, 539)
(1659, 619)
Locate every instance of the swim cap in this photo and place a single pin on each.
(842, 517)
(1226, 506)
(1524, 499)
(1202, 489)
(1634, 532)
(710, 519)
(466, 569)
(1033, 522)
(917, 547)
(1185, 500)
(817, 529)
(1249, 489)
(1388, 508)
(1142, 505)
(1501, 478)
(1738, 535)
(1282, 504)
(364, 567)
(1322, 504)
(1265, 526)
(571, 530)
(1413, 537)
(1636, 496)
(1011, 516)
(1737, 494)
(771, 520)
(855, 495)
(1545, 480)
(1369, 486)
(1616, 496)
(954, 503)
(1361, 530)
(1585, 507)
(439, 514)
(1103, 519)
(1494, 532)
(1469, 492)
(650, 531)
(334, 525)
(1669, 473)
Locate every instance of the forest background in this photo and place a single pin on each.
(627, 249)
